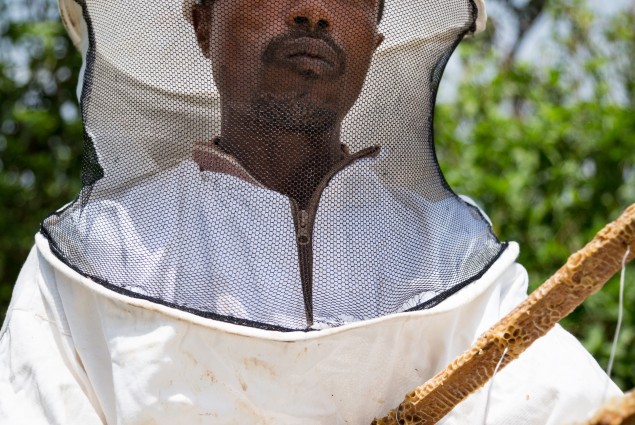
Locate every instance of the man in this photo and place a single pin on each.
(274, 276)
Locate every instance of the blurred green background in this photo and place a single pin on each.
(536, 122)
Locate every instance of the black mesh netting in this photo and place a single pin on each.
(269, 163)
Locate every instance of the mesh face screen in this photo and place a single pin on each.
(269, 163)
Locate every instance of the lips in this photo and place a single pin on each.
(309, 56)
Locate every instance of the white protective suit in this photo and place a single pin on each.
(77, 351)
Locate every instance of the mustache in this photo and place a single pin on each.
(271, 54)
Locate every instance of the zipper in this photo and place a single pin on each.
(303, 222)
(303, 234)
(304, 219)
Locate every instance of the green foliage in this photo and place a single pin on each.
(546, 150)
(549, 164)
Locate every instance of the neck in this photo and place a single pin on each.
(290, 162)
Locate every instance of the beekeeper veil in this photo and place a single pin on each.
(269, 163)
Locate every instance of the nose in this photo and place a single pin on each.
(309, 14)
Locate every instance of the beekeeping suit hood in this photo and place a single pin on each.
(151, 109)
(185, 286)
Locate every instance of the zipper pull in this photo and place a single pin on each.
(303, 228)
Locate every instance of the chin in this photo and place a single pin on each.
(297, 115)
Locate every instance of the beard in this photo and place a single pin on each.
(294, 115)
(295, 110)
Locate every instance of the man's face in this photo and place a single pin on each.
(296, 64)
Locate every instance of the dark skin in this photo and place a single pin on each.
(288, 72)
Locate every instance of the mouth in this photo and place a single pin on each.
(311, 57)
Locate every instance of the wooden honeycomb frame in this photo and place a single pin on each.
(618, 411)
